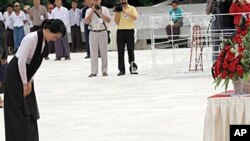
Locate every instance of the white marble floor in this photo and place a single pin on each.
(147, 107)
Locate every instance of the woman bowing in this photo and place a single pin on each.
(21, 110)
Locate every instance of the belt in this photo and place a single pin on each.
(18, 26)
(98, 30)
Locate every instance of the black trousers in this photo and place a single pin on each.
(125, 37)
(51, 48)
(176, 30)
(86, 32)
(9, 37)
(76, 37)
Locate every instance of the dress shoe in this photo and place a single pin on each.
(121, 73)
(67, 58)
(134, 72)
(92, 75)
(105, 74)
(57, 59)
(87, 57)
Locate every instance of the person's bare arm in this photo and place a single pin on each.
(117, 17)
(89, 15)
(133, 15)
(209, 7)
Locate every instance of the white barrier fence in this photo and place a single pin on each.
(203, 43)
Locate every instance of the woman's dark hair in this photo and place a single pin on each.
(74, 1)
(55, 26)
(10, 5)
(175, 1)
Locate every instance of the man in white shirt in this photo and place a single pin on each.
(62, 44)
(19, 19)
(8, 20)
(28, 26)
(50, 7)
(74, 21)
(50, 44)
(97, 17)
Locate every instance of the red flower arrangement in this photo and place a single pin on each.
(233, 61)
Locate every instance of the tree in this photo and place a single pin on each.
(146, 2)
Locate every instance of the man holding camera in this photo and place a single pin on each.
(97, 17)
(125, 17)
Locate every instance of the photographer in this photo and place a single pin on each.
(125, 17)
(97, 17)
(222, 24)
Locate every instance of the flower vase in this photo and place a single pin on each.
(238, 84)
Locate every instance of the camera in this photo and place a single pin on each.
(97, 7)
(118, 7)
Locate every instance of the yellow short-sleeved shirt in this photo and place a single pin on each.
(126, 22)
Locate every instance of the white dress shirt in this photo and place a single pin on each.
(26, 52)
(1, 16)
(61, 13)
(8, 20)
(19, 19)
(96, 22)
(50, 16)
(75, 17)
(29, 22)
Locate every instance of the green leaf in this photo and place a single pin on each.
(226, 83)
(245, 76)
(218, 81)
(231, 42)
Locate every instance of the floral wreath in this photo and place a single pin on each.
(233, 62)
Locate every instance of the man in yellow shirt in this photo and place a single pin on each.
(125, 18)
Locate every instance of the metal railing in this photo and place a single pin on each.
(203, 42)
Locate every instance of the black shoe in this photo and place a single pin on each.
(105, 74)
(57, 59)
(134, 72)
(67, 58)
(92, 75)
(46, 58)
(121, 73)
(87, 57)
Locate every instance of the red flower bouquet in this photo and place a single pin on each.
(234, 59)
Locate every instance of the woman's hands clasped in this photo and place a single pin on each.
(27, 88)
